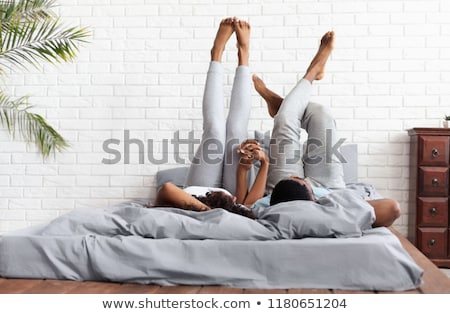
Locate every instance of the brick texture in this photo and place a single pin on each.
(144, 71)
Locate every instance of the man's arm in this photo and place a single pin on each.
(386, 212)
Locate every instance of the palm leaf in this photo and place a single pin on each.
(32, 127)
(26, 9)
(37, 40)
(30, 32)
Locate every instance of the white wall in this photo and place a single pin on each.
(144, 71)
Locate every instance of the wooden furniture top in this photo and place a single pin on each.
(429, 131)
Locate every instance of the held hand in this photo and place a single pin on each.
(245, 161)
(250, 151)
(247, 147)
(260, 155)
(246, 155)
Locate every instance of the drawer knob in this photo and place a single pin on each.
(435, 181)
(432, 242)
(433, 211)
(435, 152)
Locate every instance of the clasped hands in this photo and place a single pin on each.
(250, 151)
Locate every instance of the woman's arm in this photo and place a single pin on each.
(259, 186)
(249, 152)
(171, 195)
(241, 183)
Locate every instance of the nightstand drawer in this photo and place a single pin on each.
(435, 151)
(432, 211)
(433, 242)
(433, 181)
(448, 242)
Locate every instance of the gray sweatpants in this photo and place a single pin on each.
(321, 161)
(216, 160)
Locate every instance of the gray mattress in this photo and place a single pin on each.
(291, 245)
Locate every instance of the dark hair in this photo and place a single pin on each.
(222, 200)
(289, 190)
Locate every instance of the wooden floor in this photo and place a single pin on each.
(435, 281)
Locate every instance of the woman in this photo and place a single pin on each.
(216, 178)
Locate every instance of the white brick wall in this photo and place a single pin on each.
(144, 71)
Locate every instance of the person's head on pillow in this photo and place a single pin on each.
(219, 199)
(292, 189)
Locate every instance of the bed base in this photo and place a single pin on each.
(435, 281)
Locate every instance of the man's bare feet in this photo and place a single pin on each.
(272, 99)
(242, 30)
(224, 33)
(316, 70)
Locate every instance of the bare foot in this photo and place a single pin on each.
(272, 99)
(316, 70)
(224, 33)
(242, 29)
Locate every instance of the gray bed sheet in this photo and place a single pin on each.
(291, 245)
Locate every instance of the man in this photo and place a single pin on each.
(292, 176)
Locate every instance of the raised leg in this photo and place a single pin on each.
(272, 99)
(206, 167)
(224, 33)
(285, 149)
(316, 71)
(240, 105)
(322, 158)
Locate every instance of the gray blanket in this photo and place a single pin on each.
(132, 243)
(340, 214)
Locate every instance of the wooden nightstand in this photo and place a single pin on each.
(429, 225)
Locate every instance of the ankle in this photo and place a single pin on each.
(216, 54)
(243, 56)
(311, 77)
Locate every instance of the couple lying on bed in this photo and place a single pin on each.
(218, 174)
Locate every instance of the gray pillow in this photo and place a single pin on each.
(342, 213)
(263, 139)
(175, 175)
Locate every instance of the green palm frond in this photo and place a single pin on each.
(34, 41)
(31, 32)
(32, 127)
(26, 9)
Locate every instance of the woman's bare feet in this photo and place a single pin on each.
(224, 33)
(242, 30)
(316, 70)
(272, 99)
